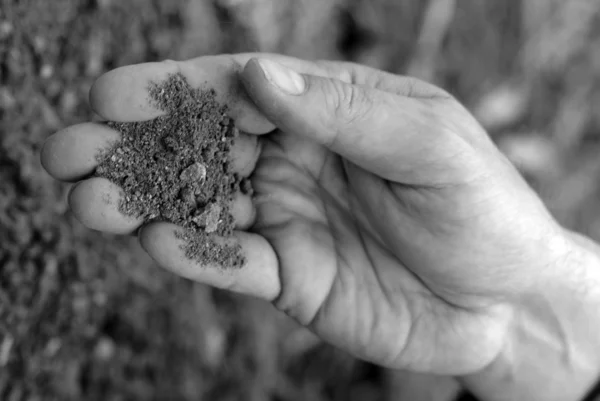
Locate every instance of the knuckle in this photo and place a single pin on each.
(172, 65)
(348, 103)
(338, 70)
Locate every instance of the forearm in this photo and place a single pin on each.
(552, 351)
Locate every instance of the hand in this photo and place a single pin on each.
(385, 218)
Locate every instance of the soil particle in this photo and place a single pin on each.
(194, 173)
(177, 168)
(209, 219)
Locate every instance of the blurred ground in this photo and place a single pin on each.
(88, 316)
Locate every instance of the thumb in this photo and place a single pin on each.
(399, 138)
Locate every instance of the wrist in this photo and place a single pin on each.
(551, 349)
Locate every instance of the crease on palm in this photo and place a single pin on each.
(328, 204)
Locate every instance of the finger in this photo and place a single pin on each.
(397, 137)
(244, 154)
(258, 277)
(122, 94)
(95, 203)
(71, 154)
(243, 211)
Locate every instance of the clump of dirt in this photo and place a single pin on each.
(177, 168)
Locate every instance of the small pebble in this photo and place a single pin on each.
(213, 215)
(187, 195)
(194, 173)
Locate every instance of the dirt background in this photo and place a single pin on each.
(88, 316)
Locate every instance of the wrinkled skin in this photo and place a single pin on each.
(385, 218)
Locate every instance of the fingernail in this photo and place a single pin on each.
(287, 80)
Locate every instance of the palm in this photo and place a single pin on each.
(341, 278)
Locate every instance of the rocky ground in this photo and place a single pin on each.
(88, 316)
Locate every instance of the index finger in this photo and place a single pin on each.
(122, 94)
